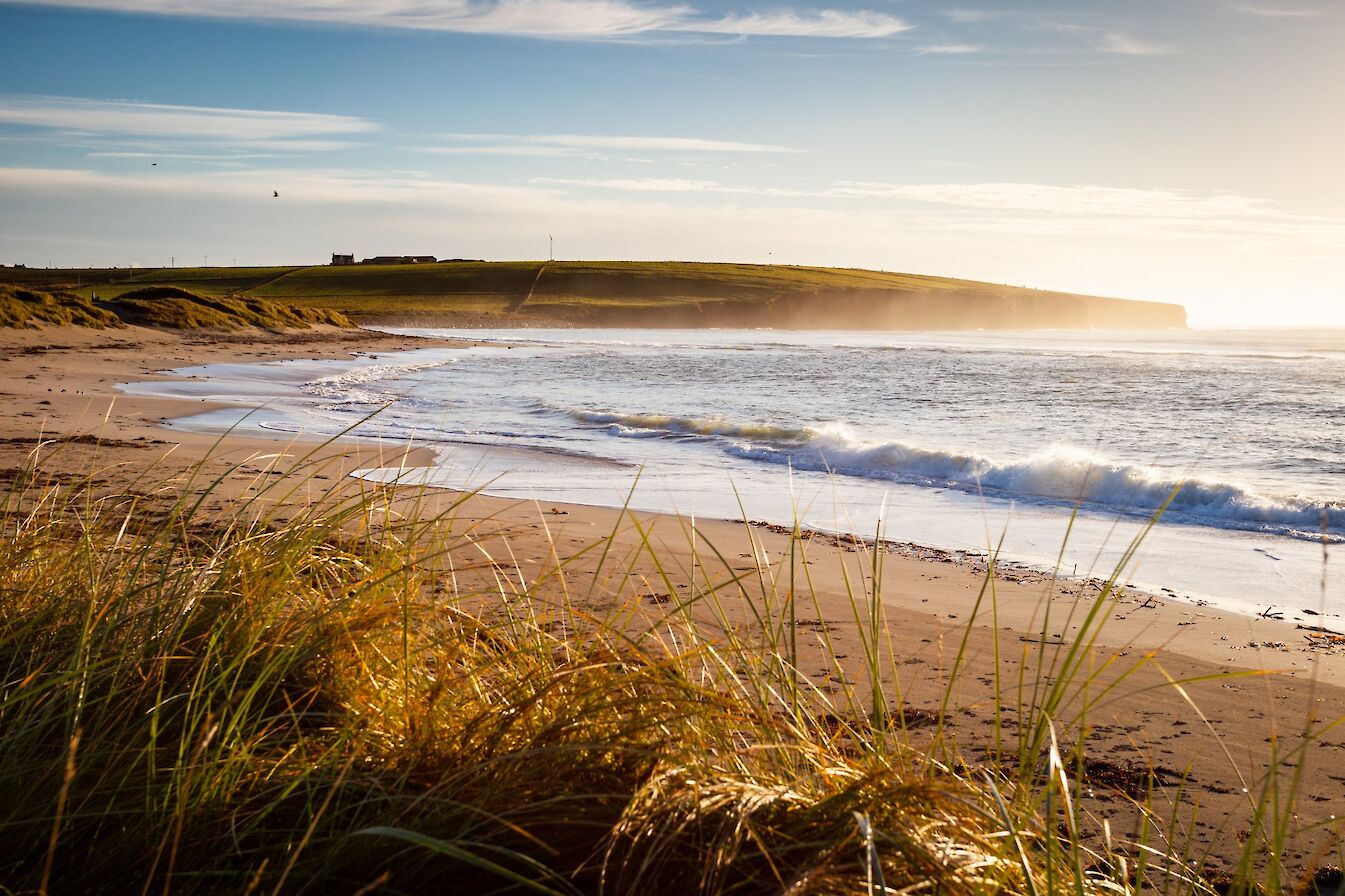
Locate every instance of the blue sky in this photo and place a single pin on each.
(1182, 151)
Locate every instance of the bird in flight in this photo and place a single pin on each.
(275, 194)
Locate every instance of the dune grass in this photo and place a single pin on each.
(168, 307)
(20, 306)
(180, 309)
(323, 699)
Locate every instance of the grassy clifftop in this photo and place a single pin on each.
(645, 294)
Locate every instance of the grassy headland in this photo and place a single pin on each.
(633, 294)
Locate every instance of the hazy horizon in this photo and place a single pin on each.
(1184, 154)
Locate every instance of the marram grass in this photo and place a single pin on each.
(250, 704)
(167, 307)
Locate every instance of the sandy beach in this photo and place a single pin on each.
(1257, 682)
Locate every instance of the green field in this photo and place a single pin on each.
(629, 293)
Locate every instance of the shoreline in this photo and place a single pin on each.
(1235, 561)
(152, 415)
(59, 383)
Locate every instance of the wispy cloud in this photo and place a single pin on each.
(1084, 200)
(677, 185)
(641, 184)
(302, 131)
(186, 156)
(949, 49)
(1031, 25)
(977, 16)
(1034, 208)
(1126, 45)
(1116, 211)
(826, 23)
(1046, 199)
(307, 186)
(522, 150)
(1105, 40)
(562, 144)
(989, 207)
(999, 209)
(1271, 11)
(557, 19)
(550, 18)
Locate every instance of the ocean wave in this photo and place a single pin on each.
(641, 425)
(351, 386)
(1060, 474)
(1096, 353)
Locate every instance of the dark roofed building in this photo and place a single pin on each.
(400, 259)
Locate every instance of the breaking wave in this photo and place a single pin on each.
(359, 385)
(1060, 474)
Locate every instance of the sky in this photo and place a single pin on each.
(1178, 151)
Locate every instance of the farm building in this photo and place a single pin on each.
(400, 259)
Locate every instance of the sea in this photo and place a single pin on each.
(1220, 452)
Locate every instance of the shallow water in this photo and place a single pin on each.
(959, 440)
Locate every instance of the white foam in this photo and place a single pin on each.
(1059, 474)
(351, 386)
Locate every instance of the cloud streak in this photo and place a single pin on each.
(949, 49)
(319, 187)
(677, 185)
(1032, 25)
(304, 131)
(1278, 12)
(1034, 208)
(825, 23)
(558, 144)
(1111, 212)
(1126, 45)
(978, 16)
(552, 19)
(184, 156)
(1067, 200)
(1046, 199)
(995, 209)
(521, 150)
